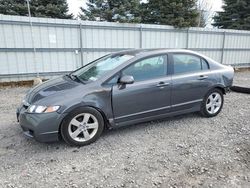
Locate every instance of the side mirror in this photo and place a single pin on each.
(126, 79)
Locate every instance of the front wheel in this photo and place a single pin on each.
(82, 126)
(212, 103)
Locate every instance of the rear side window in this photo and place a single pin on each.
(184, 63)
(204, 65)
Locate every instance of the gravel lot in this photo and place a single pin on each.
(183, 151)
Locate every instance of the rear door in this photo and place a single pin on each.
(148, 96)
(191, 79)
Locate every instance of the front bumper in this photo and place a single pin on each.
(43, 127)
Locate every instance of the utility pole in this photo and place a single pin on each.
(199, 20)
(32, 38)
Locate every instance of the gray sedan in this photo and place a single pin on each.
(123, 88)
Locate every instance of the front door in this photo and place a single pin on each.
(148, 96)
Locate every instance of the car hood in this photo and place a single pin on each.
(56, 86)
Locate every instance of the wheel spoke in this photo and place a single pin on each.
(75, 122)
(76, 133)
(208, 105)
(216, 97)
(86, 135)
(211, 98)
(212, 108)
(86, 118)
(218, 104)
(92, 125)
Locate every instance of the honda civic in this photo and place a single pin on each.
(123, 88)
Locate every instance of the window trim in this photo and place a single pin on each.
(201, 58)
(171, 60)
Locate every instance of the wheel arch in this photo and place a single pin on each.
(105, 119)
(221, 88)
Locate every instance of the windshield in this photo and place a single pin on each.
(96, 69)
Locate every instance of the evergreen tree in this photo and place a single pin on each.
(236, 15)
(38, 8)
(112, 11)
(13, 7)
(179, 13)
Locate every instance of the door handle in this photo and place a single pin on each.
(162, 84)
(202, 77)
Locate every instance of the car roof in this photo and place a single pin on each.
(146, 52)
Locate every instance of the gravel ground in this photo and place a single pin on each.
(242, 79)
(183, 151)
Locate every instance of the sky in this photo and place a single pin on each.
(74, 5)
(216, 4)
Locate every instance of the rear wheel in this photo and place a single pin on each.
(212, 103)
(82, 126)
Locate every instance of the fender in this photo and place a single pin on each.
(100, 100)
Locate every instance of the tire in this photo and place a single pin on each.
(212, 103)
(240, 89)
(82, 126)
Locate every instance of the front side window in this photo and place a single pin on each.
(184, 63)
(98, 68)
(148, 68)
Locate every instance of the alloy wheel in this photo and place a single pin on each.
(213, 103)
(83, 127)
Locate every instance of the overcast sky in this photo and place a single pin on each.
(216, 4)
(75, 4)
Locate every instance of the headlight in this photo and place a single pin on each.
(42, 109)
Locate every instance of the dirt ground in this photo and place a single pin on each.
(183, 151)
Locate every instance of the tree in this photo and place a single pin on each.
(13, 7)
(179, 13)
(38, 8)
(112, 11)
(236, 15)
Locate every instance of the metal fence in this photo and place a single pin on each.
(64, 45)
